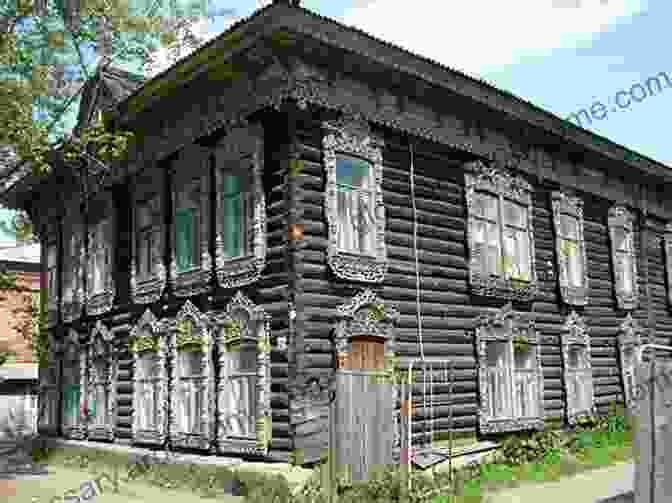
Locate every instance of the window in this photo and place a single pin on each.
(102, 365)
(193, 384)
(148, 274)
(629, 342)
(51, 260)
(570, 249)
(72, 270)
(49, 389)
(510, 377)
(191, 264)
(100, 282)
(243, 337)
(354, 201)
(150, 383)
(501, 241)
(624, 260)
(74, 369)
(241, 208)
(668, 260)
(577, 370)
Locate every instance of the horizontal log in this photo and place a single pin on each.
(439, 246)
(443, 233)
(437, 349)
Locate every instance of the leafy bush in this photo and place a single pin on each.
(528, 447)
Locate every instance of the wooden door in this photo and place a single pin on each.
(364, 410)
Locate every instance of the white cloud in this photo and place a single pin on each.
(478, 36)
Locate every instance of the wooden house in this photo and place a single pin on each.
(306, 201)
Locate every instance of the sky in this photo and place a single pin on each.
(561, 55)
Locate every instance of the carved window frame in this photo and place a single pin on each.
(192, 164)
(243, 148)
(630, 339)
(620, 217)
(154, 336)
(74, 352)
(226, 443)
(575, 333)
(352, 136)
(99, 302)
(380, 322)
(572, 206)
(74, 261)
(201, 330)
(50, 388)
(101, 346)
(148, 186)
(503, 326)
(667, 240)
(503, 185)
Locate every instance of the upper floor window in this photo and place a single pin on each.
(354, 201)
(510, 378)
(668, 260)
(241, 208)
(52, 272)
(101, 243)
(624, 259)
(73, 267)
(570, 248)
(501, 241)
(148, 274)
(191, 265)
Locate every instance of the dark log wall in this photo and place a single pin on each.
(448, 308)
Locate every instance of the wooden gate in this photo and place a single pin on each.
(364, 412)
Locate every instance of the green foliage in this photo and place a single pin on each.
(520, 342)
(530, 447)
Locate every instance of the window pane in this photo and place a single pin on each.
(367, 222)
(184, 234)
(191, 363)
(575, 269)
(485, 205)
(493, 249)
(148, 365)
(624, 277)
(569, 227)
(232, 209)
(515, 214)
(524, 358)
(352, 172)
(621, 239)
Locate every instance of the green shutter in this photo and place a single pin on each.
(231, 215)
(350, 172)
(183, 238)
(71, 400)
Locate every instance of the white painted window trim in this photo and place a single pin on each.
(242, 148)
(204, 434)
(193, 163)
(630, 338)
(572, 206)
(668, 260)
(260, 442)
(498, 183)
(52, 293)
(101, 346)
(147, 186)
(150, 327)
(351, 136)
(620, 217)
(502, 326)
(50, 388)
(575, 333)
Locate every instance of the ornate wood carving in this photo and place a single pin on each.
(630, 338)
(258, 328)
(101, 347)
(244, 147)
(565, 204)
(352, 136)
(504, 325)
(482, 178)
(74, 353)
(621, 217)
(101, 302)
(575, 333)
(668, 260)
(53, 238)
(193, 162)
(147, 335)
(149, 289)
(189, 328)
